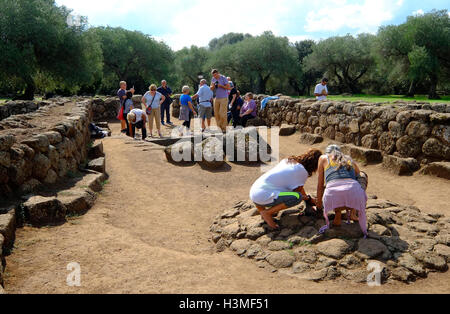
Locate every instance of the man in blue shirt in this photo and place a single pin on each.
(205, 96)
(165, 107)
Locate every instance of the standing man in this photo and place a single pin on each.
(122, 94)
(321, 91)
(231, 84)
(165, 107)
(205, 97)
(219, 83)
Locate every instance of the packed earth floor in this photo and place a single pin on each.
(149, 231)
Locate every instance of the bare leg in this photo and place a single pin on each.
(353, 215)
(123, 124)
(338, 218)
(203, 124)
(267, 215)
(209, 123)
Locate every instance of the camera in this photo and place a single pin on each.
(216, 85)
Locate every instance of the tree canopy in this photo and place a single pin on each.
(43, 53)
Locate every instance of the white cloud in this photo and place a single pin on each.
(363, 17)
(185, 23)
(419, 12)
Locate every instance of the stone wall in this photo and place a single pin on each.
(32, 155)
(12, 108)
(417, 130)
(108, 109)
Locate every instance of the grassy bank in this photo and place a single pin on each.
(387, 98)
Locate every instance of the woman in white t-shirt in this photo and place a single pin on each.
(153, 101)
(283, 186)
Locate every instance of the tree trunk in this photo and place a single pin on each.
(412, 89)
(262, 82)
(433, 89)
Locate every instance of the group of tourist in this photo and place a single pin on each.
(220, 99)
(341, 186)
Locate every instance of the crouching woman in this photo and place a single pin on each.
(283, 186)
(342, 191)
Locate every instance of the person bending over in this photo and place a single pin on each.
(137, 118)
(342, 192)
(283, 186)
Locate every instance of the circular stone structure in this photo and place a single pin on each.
(404, 244)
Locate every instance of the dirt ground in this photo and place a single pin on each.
(149, 231)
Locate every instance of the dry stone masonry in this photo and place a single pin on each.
(404, 242)
(404, 135)
(49, 168)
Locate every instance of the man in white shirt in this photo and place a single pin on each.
(205, 96)
(321, 91)
(137, 118)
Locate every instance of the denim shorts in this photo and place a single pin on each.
(290, 199)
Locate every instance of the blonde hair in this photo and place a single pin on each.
(185, 89)
(152, 87)
(131, 117)
(122, 83)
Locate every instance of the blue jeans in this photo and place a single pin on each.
(165, 108)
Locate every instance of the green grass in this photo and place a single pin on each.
(386, 98)
(4, 100)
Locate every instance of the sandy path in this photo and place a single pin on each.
(149, 233)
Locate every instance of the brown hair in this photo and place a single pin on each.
(249, 95)
(310, 160)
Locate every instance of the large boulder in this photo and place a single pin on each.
(335, 248)
(400, 166)
(409, 146)
(98, 165)
(8, 230)
(287, 130)
(310, 139)
(438, 169)
(181, 152)
(435, 148)
(96, 151)
(77, 201)
(365, 155)
(247, 146)
(41, 165)
(44, 211)
(281, 259)
(210, 154)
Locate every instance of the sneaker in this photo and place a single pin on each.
(170, 123)
(162, 122)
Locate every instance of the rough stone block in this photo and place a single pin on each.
(367, 156)
(310, 139)
(400, 166)
(438, 169)
(41, 211)
(98, 165)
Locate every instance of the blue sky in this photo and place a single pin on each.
(185, 23)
